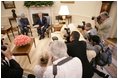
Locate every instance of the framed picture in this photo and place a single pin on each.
(106, 6)
(67, 1)
(8, 4)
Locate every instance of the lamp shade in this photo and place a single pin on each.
(64, 10)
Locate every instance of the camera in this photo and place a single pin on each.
(67, 37)
(67, 29)
(82, 26)
(3, 47)
(98, 18)
(54, 38)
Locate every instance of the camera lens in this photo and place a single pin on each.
(3, 47)
(93, 18)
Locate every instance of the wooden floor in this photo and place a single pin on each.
(35, 53)
(114, 40)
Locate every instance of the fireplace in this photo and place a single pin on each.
(33, 12)
(35, 16)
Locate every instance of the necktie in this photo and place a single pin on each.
(41, 19)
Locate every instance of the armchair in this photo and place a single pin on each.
(19, 25)
(49, 29)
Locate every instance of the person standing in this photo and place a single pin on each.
(10, 68)
(104, 26)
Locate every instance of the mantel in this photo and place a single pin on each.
(35, 8)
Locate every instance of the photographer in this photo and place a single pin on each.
(10, 68)
(103, 23)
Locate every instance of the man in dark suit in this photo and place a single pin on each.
(78, 49)
(43, 25)
(11, 69)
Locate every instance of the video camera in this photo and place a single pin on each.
(68, 34)
(3, 47)
(82, 26)
(98, 19)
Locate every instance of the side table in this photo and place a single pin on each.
(57, 27)
(6, 29)
(24, 50)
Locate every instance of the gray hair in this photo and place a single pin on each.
(58, 49)
(22, 15)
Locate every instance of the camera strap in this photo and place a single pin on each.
(58, 64)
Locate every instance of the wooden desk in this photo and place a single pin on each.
(6, 29)
(23, 50)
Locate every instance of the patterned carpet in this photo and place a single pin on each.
(112, 69)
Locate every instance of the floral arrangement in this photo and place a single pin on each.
(22, 40)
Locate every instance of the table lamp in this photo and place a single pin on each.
(64, 11)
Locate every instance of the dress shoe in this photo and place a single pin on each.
(40, 37)
(43, 36)
(106, 76)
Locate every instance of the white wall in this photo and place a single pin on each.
(19, 8)
(80, 10)
(83, 8)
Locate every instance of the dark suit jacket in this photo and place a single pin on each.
(78, 49)
(41, 23)
(12, 71)
(24, 22)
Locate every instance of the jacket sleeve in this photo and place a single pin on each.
(37, 22)
(27, 21)
(69, 49)
(15, 69)
(24, 21)
(12, 71)
(45, 21)
(14, 64)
